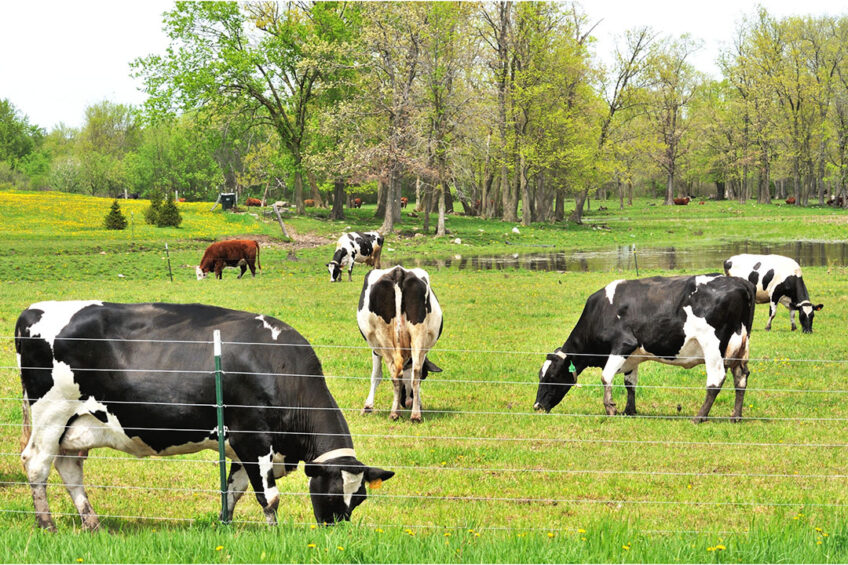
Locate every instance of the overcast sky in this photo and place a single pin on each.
(57, 58)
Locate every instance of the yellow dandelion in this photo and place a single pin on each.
(379, 530)
(447, 534)
(819, 542)
(310, 545)
(824, 534)
(550, 534)
(219, 548)
(626, 547)
(581, 531)
(710, 549)
(340, 548)
(818, 529)
(584, 539)
(312, 526)
(79, 559)
(689, 485)
(720, 547)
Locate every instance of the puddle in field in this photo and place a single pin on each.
(806, 253)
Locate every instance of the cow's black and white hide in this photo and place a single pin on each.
(778, 280)
(400, 318)
(684, 321)
(138, 378)
(355, 247)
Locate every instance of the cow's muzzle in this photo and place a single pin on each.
(539, 408)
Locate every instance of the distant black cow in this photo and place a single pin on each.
(355, 247)
(778, 280)
(400, 318)
(682, 321)
(135, 377)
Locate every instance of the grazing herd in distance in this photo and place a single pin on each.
(76, 399)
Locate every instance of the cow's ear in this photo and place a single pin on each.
(818, 307)
(552, 357)
(431, 367)
(375, 476)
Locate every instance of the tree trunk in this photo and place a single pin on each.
(392, 202)
(526, 204)
(559, 206)
(629, 192)
(428, 198)
(382, 196)
(509, 208)
(419, 205)
(298, 191)
(337, 213)
(579, 201)
(720, 190)
(620, 192)
(440, 227)
(669, 188)
(316, 194)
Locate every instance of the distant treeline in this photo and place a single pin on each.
(501, 106)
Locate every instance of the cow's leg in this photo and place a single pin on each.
(37, 458)
(252, 266)
(219, 270)
(260, 473)
(418, 356)
(397, 382)
(792, 319)
(740, 382)
(376, 378)
(630, 383)
(69, 464)
(716, 374)
(236, 487)
(376, 257)
(772, 312)
(613, 365)
(350, 271)
(243, 268)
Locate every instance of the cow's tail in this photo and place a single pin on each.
(399, 326)
(26, 416)
(258, 263)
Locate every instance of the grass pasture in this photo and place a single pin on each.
(484, 478)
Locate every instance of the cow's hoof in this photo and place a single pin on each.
(699, 419)
(611, 411)
(367, 410)
(393, 416)
(629, 411)
(794, 328)
(416, 419)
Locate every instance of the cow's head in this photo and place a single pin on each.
(556, 377)
(806, 313)
(201, 274)
(335, 271)
(427, 368)
(337, 486)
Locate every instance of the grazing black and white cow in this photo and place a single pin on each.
(778, 281)
(355, 247)
(684, 321)
(400, 318)
(137, 378)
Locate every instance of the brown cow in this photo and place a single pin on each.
(404, 201)
(681, 201)
(357, 203)
(790, 200)
(253, 202)
(309, 202)
(232, 253)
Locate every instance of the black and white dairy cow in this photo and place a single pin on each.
(778, 280)
(684, 321)
(355, 247)
(137, 378)
(400, 318)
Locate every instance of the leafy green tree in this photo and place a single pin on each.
(169, 215)
(262, 60)
(18, 138)
(115, 219)
(152, 212)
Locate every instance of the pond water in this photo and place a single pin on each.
(707, 259)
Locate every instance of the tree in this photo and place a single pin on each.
(169, 215)
(115, 219)
(261, 60)
(18, 138)
(674, 82)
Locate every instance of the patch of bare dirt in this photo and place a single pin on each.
(304, 241)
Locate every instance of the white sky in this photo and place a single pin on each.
(58, 57)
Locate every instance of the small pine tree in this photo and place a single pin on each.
(151, 214)
(169, 214)
(115, 219)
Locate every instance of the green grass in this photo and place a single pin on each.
(482, 460)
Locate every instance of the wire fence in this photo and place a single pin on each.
(401, 439)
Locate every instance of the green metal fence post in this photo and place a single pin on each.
(219, 398)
